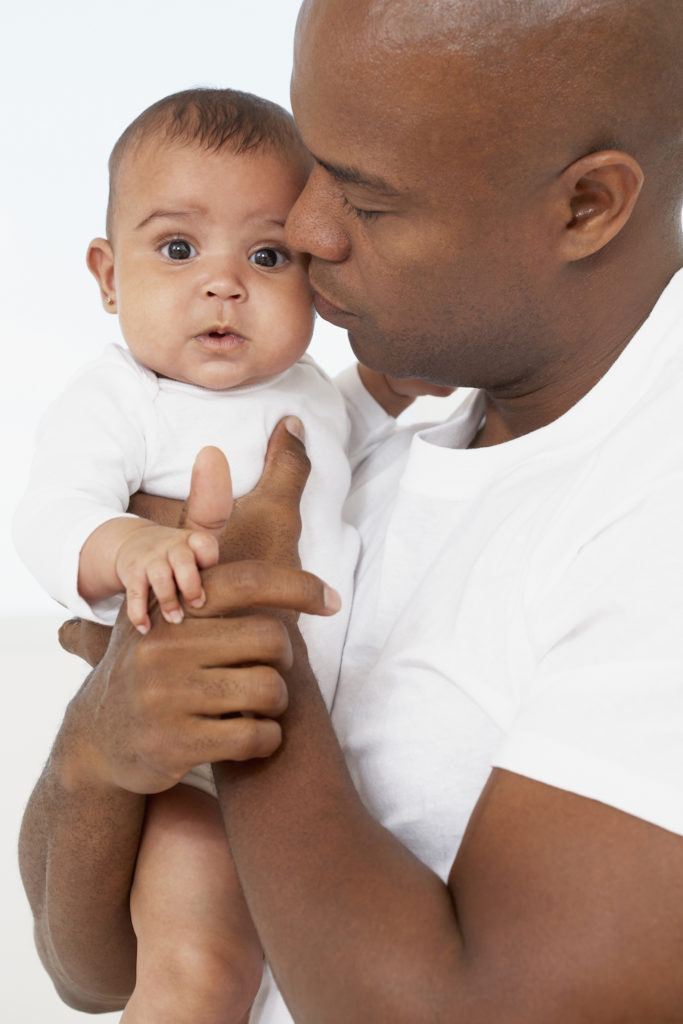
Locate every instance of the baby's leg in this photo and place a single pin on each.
(199, 960)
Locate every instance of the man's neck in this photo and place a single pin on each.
(514, 414)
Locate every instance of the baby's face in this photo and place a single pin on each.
(206, 289)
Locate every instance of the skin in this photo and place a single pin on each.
(233, 307)
(83, 823)
(502, 282)
(208, 292)
(558, 908)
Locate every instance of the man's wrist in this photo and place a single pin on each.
(77, 761)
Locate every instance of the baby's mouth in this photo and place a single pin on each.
(220, 338)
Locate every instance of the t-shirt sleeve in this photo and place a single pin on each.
(89, 459)
(602, 715)
(370, 425)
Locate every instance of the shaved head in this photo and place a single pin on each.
(565, 76)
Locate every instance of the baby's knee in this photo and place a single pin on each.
(204, 980)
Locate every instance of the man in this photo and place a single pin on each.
(494, 203)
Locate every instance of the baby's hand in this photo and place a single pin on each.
(167, 561)
(395, 394)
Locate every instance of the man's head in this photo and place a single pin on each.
(196, 265)
(484, 170)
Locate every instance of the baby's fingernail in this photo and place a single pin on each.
(142, 629)
(175, 616)
(295, 427)
(198, 601)
(331, 599)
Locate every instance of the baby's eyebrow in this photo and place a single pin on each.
(159, 214)
(276, 222)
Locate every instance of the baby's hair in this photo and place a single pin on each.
(213, 119)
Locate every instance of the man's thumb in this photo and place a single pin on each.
(210, 502)
(287, 466)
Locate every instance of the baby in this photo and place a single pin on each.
(216, 313)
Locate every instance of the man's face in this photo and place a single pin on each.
(207, 290)
(419, 244)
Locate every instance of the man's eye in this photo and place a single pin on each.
(178, 249)
(268, 258)
(361, 214)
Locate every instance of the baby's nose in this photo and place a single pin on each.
(225, 282)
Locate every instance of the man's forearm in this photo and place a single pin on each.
(77, 853)
(314, 864)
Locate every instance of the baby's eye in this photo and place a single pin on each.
(178, 249)
(268, 257)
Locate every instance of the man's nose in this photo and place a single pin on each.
(315, 223)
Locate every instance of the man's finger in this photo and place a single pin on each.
(210, 502)
(251, 584)
(87, 640)
(287, 466)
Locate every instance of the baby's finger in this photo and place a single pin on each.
(162, 582)
(137, 593)
(186, 573)
(204, 547)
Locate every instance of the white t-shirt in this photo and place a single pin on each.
(119, 428)
(521, 606)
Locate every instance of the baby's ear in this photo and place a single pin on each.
(100, 260)
(599, 192)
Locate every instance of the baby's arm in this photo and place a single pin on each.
(395, 394)
(135, 555)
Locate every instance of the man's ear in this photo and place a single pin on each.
(100, 260)
(598, 193)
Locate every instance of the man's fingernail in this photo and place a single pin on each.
(142, 629)
(198, 601)
(295, 427)
(331, 599)
(175, 616)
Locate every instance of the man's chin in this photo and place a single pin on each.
(366, 349)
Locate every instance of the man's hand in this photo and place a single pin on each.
(154, 707)
(158, 705)
(264, 524)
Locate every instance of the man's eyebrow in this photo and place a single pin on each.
(352, 176)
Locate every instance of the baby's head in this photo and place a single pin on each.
(195, 261)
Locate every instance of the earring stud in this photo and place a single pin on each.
(109, 300)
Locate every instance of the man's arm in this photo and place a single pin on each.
(77, 850)
(557, 909)
(149, 711)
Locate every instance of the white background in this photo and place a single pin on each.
(73, 75)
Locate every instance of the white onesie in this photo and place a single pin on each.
(119, 428)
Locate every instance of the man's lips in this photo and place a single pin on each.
(328, 310)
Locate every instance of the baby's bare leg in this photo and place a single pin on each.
(199, 959)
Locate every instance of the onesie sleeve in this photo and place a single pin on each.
(370, 425)
(89, 459)
(603, 712)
